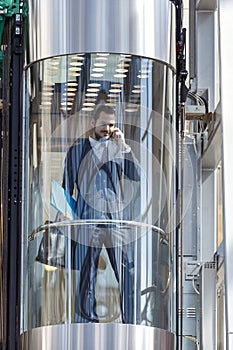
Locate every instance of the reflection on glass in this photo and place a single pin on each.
(99, 249)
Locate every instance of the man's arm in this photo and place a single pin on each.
(69, 171)
(73, 160)
(131, 164)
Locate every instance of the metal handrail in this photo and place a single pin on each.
(68, 223)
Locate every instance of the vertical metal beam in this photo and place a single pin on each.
(181, 75)
(208, 309)
(14, 188)
(207, 77)
(192, 40)
(4, 175)
(226, 52)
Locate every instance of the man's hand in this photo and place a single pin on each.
(62, 217)
(119, 138)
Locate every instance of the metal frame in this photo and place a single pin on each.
(137, 27)
(98, 336)
(11, 176)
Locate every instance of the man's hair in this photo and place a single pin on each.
(102, 108)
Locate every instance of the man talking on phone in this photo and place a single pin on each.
(98, 170)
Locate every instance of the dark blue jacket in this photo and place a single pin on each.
(98, 186)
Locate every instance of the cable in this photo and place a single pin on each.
(194, 287)
(194, 339)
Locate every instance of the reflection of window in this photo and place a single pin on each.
(74, 83)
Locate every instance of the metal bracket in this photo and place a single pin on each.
(192, 269)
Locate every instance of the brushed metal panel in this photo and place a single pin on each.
(139, 27)
(97, 337)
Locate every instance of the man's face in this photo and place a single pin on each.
(104, 125)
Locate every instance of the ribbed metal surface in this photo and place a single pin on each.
(97, 337)
(139, 27)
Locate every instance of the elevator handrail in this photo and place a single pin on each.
(68, 223)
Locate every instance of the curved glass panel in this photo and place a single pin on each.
(98, 191)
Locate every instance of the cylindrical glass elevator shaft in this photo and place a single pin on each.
(98, 191)
(60, 286)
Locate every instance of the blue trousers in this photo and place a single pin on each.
(121, 259)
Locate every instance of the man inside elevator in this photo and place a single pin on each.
(96, 170)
